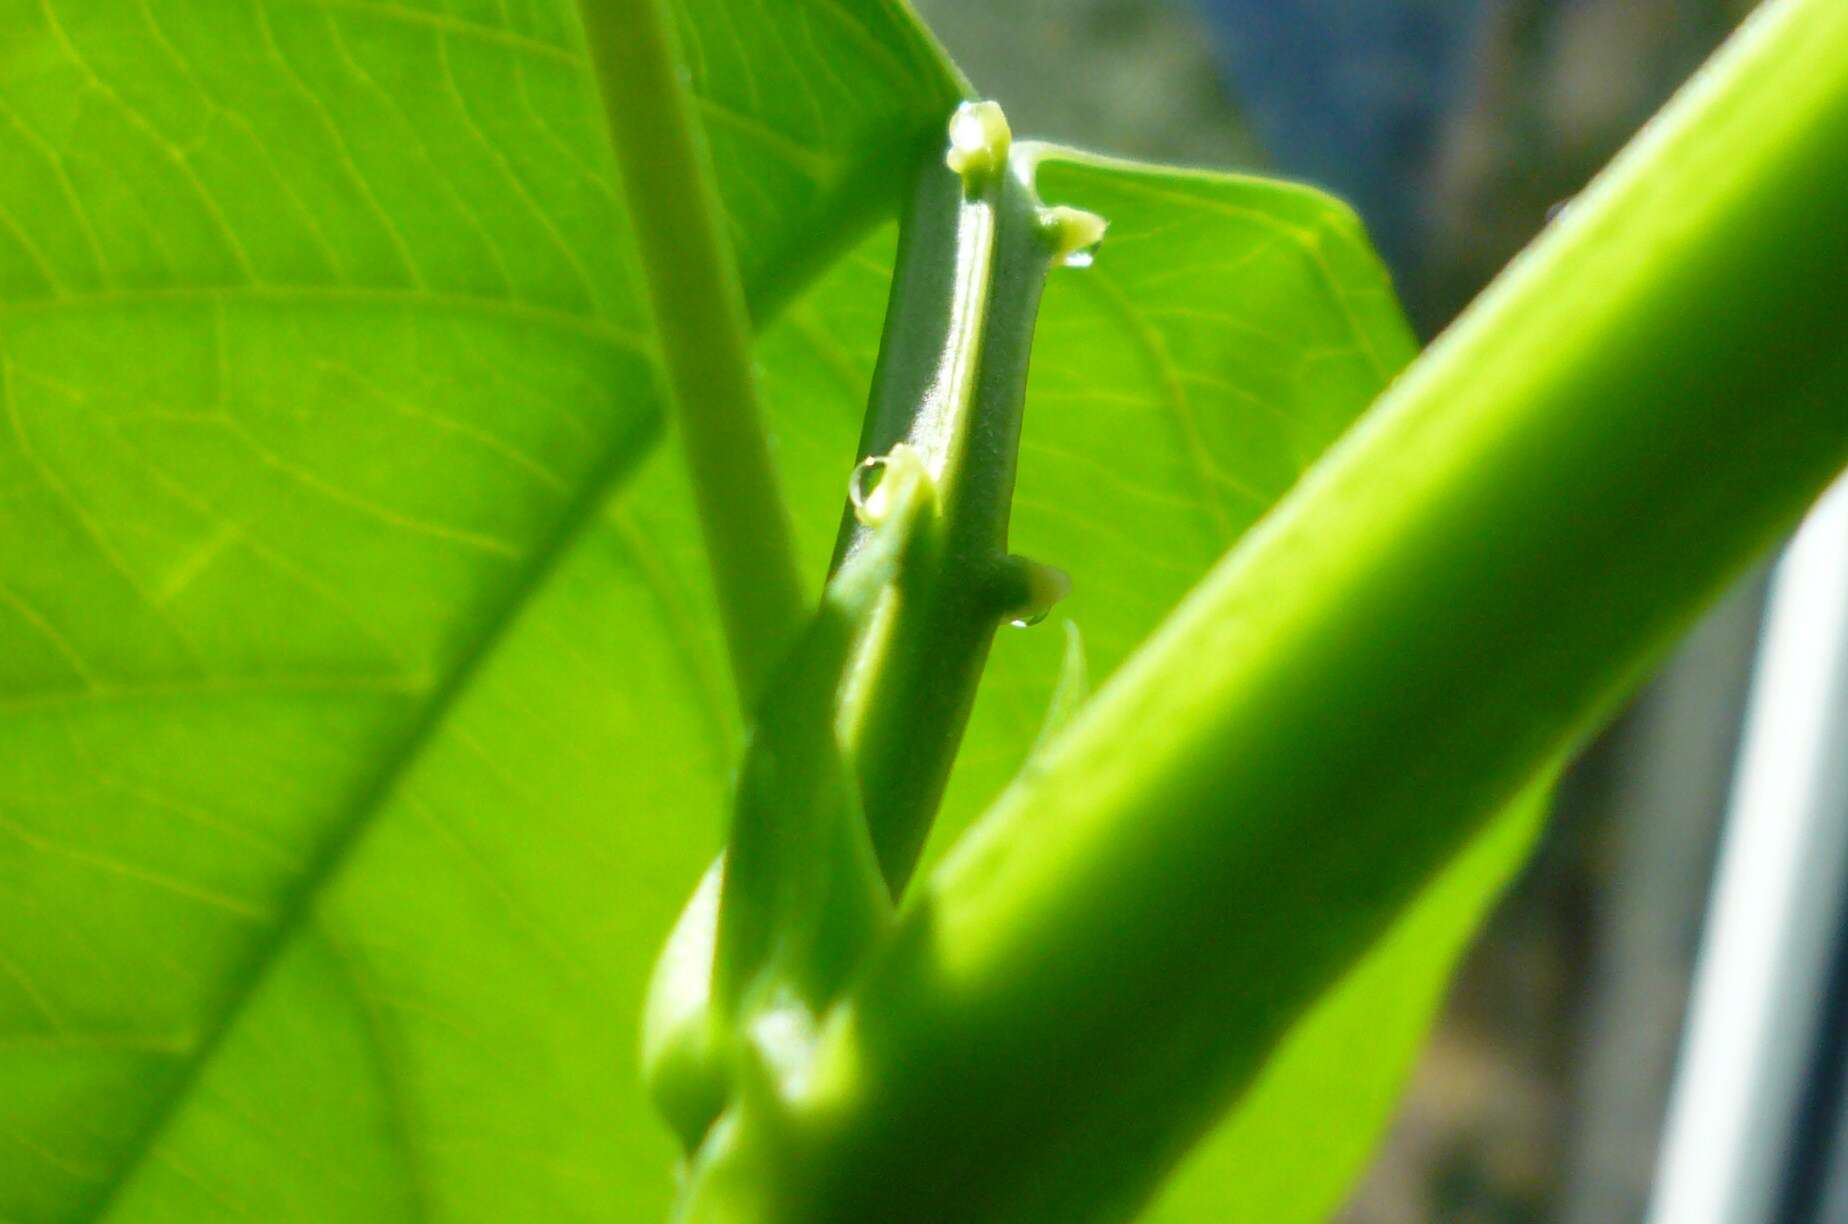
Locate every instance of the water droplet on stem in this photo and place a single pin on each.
(864, 491)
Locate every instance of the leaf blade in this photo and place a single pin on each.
(372, 357)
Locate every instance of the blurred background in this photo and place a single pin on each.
(1457, 127)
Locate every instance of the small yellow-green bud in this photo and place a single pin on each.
(979, 139)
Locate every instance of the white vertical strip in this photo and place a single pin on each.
(1777, 898)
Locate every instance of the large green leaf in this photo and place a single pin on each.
(362, 723)
(362, 719)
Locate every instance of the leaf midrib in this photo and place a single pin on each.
(624, 457)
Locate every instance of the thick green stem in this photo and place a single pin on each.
(703, 330)
(1458, 591)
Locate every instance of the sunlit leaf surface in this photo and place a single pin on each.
(361, 724)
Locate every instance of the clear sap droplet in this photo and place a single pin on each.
(1027, 622)
(1082, 258)
(1557, 208)
(863, 490)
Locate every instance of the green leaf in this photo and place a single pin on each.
(362, 714)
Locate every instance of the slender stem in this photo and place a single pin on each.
(951, 381)
(703, 330)
(1455, 594)
(890, 661)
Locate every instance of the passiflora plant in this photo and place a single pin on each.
(509, 513)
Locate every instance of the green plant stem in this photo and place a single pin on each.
(890, 661)
(1455, 595)
(951, 381)
(703, 331)
(779, 923)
